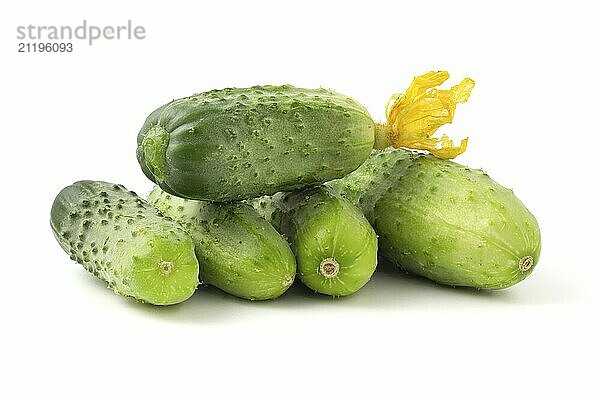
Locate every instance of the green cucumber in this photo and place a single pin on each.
(238, 251)
(235, 144)
(335, 247)
(444, 221)
(120, 238)
(240, 143)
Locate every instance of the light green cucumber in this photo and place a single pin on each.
(238, 251)
(444, 221)
(236, 144)
(120, 238)
(335, 247)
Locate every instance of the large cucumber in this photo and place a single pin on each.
(235, 144)
(238, 251)
(442, 220)
(335, 247)
(121, 239)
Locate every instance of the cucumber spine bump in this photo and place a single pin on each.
(444, 221)
(238, 251)
(235, 144)
(335, 247)
(121, 239)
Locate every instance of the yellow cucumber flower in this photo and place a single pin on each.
(413, 117)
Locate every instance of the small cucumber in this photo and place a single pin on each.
(444, 221)
(335, 247)
(120, 238)
(236, 144)
(238, 251)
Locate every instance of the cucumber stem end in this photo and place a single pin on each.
(526, 263)
(329, 268)
(165, 267)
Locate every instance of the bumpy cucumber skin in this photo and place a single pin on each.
(444, 221)
(238, 251)
(235, 144)
(120, 238)
(321, 225)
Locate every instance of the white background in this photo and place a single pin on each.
(533, 124)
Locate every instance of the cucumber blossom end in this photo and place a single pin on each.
(121, 239)
(154, 149)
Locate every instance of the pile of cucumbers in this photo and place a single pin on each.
(257, 186)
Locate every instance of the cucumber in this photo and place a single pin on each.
(235, 144)
(335, 247)
(120, 238)
(238, 251)
(241, 143)
(444, 221)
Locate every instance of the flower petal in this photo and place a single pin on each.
(413, 117)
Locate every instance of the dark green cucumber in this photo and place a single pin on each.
(335, 247)
(235, 144)
(238, 251)
(444, 221)
(121, 239)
